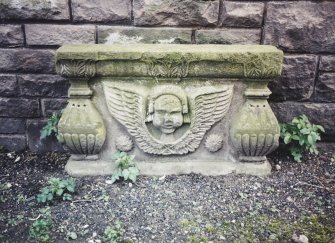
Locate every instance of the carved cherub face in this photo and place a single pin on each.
(167, 116)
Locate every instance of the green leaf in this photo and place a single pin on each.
(67, 197)
(59, 192)
(125, 174)
(287, 138)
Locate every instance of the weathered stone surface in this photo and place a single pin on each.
(52, 105)
(297, 79)
(47, 34)
(240, 14)
(13, 142)
(8, 85)
(228, 36)
(176, 13)
(11, 35)
(327, 63)
(325, 88)
(102, 11)
(43, 85)
(301, 26)
(123, 35)
(38, 145)
(322, 114)
(27, 60)
(14, 107)
(12, 126)
(37, 9)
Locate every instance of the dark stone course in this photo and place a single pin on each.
(15, 107)
(47, 34)
(52, 105)
(301, 26)
(12, 126)
(13, 142)
(175, 13)
(297, 79)
(27, 60)
(327, 63)
(117, 34)
(8, 85)
(11, 35)
(45, 85)
(117, 11)
(228, 36)
(325, 88)
(321, 114)
(38, 145)
(34, 9)
(241, 14)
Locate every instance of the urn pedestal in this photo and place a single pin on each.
(178, 108)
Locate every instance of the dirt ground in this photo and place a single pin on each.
(298, 198)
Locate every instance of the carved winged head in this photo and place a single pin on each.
(167, 108)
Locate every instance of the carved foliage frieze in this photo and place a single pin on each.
(170, 66)
(167, 119)
(76, 68)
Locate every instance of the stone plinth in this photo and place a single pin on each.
(178, 108)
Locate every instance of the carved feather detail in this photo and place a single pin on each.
(208, 106)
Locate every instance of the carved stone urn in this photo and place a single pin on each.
(178, 108)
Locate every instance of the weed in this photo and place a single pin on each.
(125, 167)
(113, 233)
(332, 159)
(301, 135)
(197, 239)
(57, 188)
(51, 127)
(40, 229)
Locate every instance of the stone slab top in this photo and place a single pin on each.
(136, 51)
(250, 61)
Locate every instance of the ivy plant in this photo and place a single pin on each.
(51, 127)
(125, 167)
(40, 229)
(113, 233)
(301, 135)
(57, 188)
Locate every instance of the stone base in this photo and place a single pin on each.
(100, 167)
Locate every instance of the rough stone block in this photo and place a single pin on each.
(11, 35)
(325, 88)
(38, 145)
(27, 60)
(12, 126)
(37, 9)
(8, 85)
(327, 63)
(321, 114)
(121, 35)
(228, 36)
(13, 142)
(297, 79)
(47, 34)
(102, 11)
(176, 13)
(241, 14)
(43, 85)
(14, 107)
(52, 105)
(301, 26)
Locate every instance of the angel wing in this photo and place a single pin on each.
(209, 107)
(128, 108)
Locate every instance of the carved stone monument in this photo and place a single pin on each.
(177, 108)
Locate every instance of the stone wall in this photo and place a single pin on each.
(31, 31)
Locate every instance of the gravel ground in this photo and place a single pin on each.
(297, 198)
